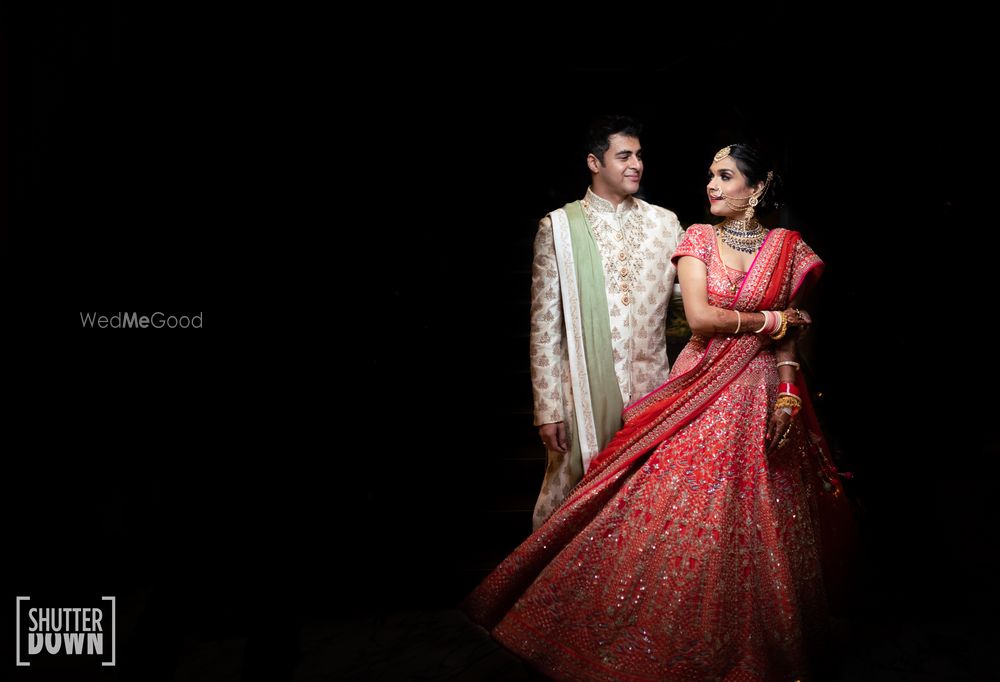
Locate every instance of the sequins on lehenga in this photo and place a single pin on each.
(700, 562)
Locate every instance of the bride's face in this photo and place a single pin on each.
(726, 181)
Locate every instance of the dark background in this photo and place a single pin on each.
(351, 429)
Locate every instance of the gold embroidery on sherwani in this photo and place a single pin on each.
(648, 236)
(546, 347)
(620, 236)
(638, 330)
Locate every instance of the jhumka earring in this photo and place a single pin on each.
(752, 203)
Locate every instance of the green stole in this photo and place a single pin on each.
(605, 393)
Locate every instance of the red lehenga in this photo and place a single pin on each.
(686, 552)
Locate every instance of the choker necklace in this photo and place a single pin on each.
(745, 236)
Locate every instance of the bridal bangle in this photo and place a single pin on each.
(785, 388)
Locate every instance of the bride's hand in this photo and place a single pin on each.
(777, 428)
(796, 317)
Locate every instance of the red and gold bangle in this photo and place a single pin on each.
(788, 403)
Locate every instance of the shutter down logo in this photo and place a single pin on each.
(86, 631)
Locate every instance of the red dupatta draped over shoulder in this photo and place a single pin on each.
(780, 269)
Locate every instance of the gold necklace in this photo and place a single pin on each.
(745, 236)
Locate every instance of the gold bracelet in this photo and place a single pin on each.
(788, 400)
(738, 322)
(789, 363)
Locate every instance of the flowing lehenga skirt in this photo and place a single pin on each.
(701, 562)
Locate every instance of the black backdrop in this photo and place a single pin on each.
(355, 227)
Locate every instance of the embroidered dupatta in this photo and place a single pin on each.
(773, 280)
